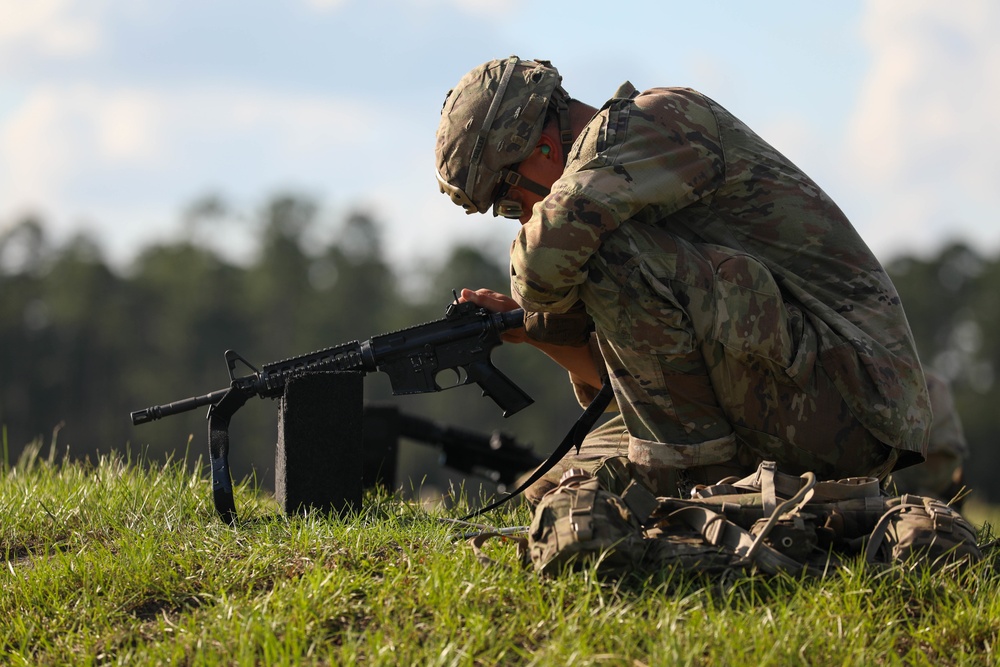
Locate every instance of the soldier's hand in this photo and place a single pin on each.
(495, 302)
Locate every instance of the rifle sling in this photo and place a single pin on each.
(574, 438)
(219, 415)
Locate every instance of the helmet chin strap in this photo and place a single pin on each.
(560, 100)
(509, 208)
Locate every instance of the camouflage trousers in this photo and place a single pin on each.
(713, 370)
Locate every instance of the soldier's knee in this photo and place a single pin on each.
(534, 493)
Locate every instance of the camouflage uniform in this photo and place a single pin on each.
(738, 313)
(941, 475)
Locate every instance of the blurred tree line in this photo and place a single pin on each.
(84, 344)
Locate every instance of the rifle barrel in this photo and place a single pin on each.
(155, 412)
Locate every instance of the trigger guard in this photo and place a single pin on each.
(459, 374)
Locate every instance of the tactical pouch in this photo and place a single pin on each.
(916, 527)
(578, 524)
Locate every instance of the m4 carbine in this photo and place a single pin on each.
(415, 359)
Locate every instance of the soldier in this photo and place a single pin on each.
(664, 246)
(941, 476)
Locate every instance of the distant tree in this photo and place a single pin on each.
(185, 305)
(355, 290)
(278, 283)
(24, 247)
(62, 360)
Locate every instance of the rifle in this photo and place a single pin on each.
(496, 456)
(413, 358)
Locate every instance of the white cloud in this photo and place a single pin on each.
(34, 149)
(471, 7)
(932, 88)
(61, 134)
(58, 28)
(126, 126)
(326, 5)
(89, 128)
(924, 137)
(109, 155)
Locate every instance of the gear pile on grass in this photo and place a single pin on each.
(769, 522)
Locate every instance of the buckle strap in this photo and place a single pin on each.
(639, 500)
(516, 180)
(477, 150)
(768, 492)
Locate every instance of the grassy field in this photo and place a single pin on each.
(117, 563)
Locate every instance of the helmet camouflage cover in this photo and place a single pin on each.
(491, 120)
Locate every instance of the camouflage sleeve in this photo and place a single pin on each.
(659, 149)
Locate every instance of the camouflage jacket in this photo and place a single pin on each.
(673, 158)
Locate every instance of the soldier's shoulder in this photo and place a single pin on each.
(673, 93)
(674, 108)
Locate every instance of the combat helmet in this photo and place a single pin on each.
(491, 121)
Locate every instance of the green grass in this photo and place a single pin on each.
(119, 563)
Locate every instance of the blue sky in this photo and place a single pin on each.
(114, 116)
